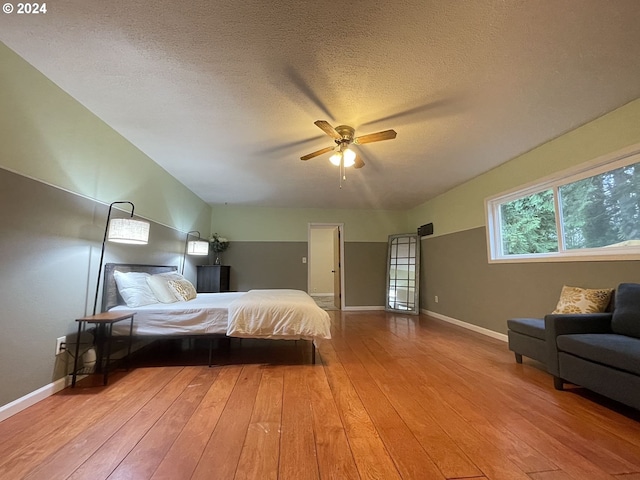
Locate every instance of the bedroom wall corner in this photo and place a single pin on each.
(49, 251)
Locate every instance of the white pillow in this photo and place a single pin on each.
(159, 285)
(134, 289)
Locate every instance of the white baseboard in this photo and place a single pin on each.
(315, 294)
(468, 326)
(32, 398)
(362, 308)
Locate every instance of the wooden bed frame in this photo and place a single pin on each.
(111, 298)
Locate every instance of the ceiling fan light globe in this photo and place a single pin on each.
(335, 159)
(349, 157)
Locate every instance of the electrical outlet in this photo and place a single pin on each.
(436, 298)
(61, 345)
(304, 259)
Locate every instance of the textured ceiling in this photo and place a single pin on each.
(223, 94)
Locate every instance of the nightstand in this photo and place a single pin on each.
(104, 328)
(213, 278)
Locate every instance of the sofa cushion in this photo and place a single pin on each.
(626, 315)
(618, 351)
(532, 327)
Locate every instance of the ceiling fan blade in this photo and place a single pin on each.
(328, 129)
(359, 163)
(375, 137)
(315, 154)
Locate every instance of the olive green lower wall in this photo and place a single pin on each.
(455, 268)
(266, 265)
(365, 273)
(279, 265)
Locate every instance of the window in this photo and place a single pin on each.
(591, 214)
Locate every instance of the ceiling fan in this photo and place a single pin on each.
(343, 135)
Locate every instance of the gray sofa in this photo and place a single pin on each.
(599, 351)
(527, 338)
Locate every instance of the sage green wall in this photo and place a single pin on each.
(291, 224)
(46, 135)
(462, 208)
(455, 268)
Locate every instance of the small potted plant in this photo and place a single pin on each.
(218, 245)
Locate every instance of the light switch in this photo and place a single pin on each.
(304, 259)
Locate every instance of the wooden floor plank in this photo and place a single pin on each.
(527, 431)
(550, 475)
(576, 431)
(410, 458)
(335, 459)
(486, 417)
(184, 455)
(371, 456)
(39, 445)
(392, 396)
(102, 463)
(568, 426)
(261, 450)
(298, 459)
(64, 461)
(440, 447)
(144, 459)
(220, 457)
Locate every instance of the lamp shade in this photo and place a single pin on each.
(349, 157)
(128, 230)
(198, 247)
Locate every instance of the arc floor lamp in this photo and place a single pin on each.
(121, 230)
(194, 247)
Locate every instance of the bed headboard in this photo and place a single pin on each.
(110, 295)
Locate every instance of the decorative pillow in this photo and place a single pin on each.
(134, 289)
(183, 289)
(159, 285)
(583, 300)
(626, 314)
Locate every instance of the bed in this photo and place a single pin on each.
(280, 314)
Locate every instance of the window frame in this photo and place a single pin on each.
(627, 156)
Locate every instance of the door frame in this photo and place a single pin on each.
(340, 226)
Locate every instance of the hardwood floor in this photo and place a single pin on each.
(391, 397)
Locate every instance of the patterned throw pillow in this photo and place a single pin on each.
(583, 300)
(159, 284)
(183, 289)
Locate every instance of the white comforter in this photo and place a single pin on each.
(280, 313)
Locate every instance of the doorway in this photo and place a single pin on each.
(325, 271)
